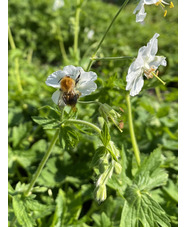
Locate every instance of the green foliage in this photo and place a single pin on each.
(142, 210)
(64, 193)
(139, 206)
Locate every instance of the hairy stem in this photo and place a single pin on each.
(112, 58)
(131, 129)
(101, 41)
(98, 130)
(42, 163)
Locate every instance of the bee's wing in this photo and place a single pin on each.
(57, 98)
(61, 102)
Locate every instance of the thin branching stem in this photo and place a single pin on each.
(102, 39)
(70, 121)
(42, 163)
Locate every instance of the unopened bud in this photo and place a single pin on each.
(101, 193)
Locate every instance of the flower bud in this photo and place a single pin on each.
(117, 168)
(101, 193)
(108, 113)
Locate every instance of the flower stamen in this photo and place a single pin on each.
(151, 72)
(156, 75)
(148, 73)
(160, 2)
(171, 5)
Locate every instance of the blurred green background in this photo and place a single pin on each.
(40, 34)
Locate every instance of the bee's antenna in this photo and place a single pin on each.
(59, 80)
(77, 79)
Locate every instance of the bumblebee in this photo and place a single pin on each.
(69, 95)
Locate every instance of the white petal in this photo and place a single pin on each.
(137, 64)
(87, 88)
(54, 79)
(158, 60)
(137, 86)
(131, 77)
(148, 52)
(55, 96)
(140, 16)
(139, 6)
(72, 71)
(86, 83)
(135, 82)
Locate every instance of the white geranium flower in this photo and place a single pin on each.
(146, 64)
(140, 9)
(72, 82)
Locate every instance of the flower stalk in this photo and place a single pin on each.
(112, 58)
(98, 130)
(132, 133)
(102, 39)
(42, 163)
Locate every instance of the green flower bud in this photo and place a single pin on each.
(117, 168)
(101, 193)
(108, 113)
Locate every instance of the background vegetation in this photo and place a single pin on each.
(65, 188)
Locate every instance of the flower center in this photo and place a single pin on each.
(162, 4)
(150, 72)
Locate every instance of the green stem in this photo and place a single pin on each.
(98, 130)
(112, 58)
(131, 129)
(61, 45)
(89, 102)
(11, 40)
(158, 93)
(13, 47)
(76, 31)
(42, 163)
(110, 25)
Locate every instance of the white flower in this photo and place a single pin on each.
(146, 64)
(82, 82)
(140, 16)
(58, 4)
